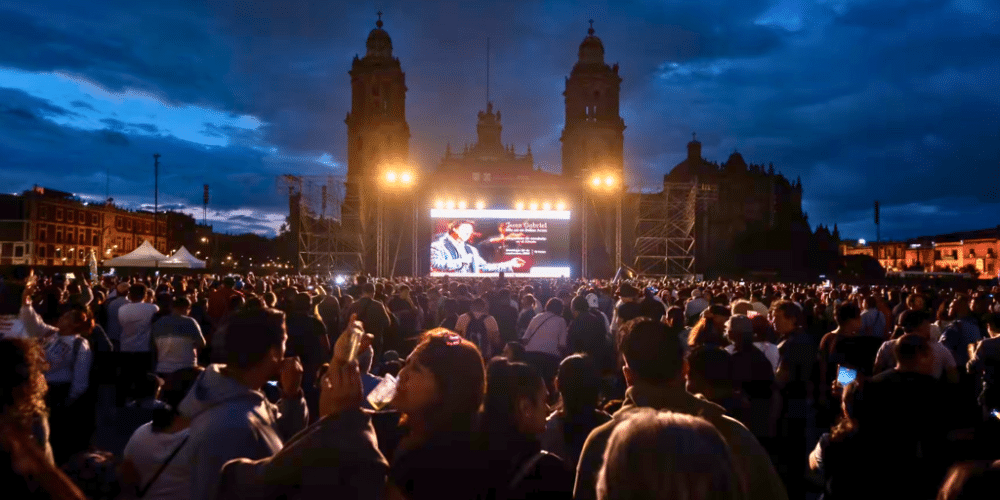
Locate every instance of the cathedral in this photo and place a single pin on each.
(498, 175)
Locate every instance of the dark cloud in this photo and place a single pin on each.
(890, 99)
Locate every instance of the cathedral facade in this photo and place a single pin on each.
(497, 175)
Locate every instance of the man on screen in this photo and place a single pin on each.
(452, 253)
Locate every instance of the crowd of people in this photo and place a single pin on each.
(207, 387)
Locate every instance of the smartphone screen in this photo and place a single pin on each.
(355, 342)
(273, 383)
(846, 375)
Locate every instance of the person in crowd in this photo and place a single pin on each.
(480, 328)
(710, 374)
(32, 473)
(577, 413)
(526, 314)
(846, 347)
(328, 311)
(628, 308)
(985, 366)
(654, 373)
(919, 323)
(150, 467)
(373, 314)
(961, 333)
(336, 457)
(177, 338)
(915, 447)
(849, 462)
(696, 305)
(308, 342)
(513, 417)
(220, 300)
(587, 334)
(137, 412)
(752, 373)
(69, 359)
(794, 381)
(137, 352)
(449, 314)
(545, 341)
(439, 394)
(700, 465)
(943, 318)
(230, 418)
(710, 329)
(506, 314)
(513, 351)
(651, 305)
(873, 321)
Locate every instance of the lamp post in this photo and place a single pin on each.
(605, 182)
(393, 179)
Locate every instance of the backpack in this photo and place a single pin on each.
(476, 333)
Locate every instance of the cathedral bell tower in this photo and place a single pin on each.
(592, 137)
(377, 133)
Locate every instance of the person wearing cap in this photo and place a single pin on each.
(696, 305)
(594, 303)
(919, 323)
(627, 309)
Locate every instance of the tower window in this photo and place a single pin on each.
(375, 90)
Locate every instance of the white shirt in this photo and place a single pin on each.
(136, 319)
(148, 450)
(547, 332)
(886, 357)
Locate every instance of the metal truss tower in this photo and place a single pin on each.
(324, 241)
(665, 229)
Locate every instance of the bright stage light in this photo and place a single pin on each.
(560, 206)
(406, 177)
(450, 205)
(546, 206)
(390, 176)
(519, 205)
(609, 180)
(480, 205)
(596, 181)
(439, 204)
(462, 205)
(534, 205)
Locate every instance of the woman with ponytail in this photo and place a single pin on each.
(512, 420)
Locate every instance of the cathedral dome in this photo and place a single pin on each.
(591, 49)
(379, 44)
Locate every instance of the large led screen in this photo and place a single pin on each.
(518, 243)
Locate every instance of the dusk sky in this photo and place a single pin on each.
(895, 100)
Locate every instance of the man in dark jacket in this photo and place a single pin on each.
(505, 314)
(373, 315)
(587, 334)
(654, 372)
(307, 339)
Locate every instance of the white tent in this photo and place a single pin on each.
(144, 256)
(183, 258)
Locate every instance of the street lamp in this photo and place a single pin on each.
(605, 182)
(395, 179)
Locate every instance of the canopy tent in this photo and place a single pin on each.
(183, 258)
(144, 256)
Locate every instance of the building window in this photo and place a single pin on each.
(96, 241)
(41, 251)
(42, 233)
(118, 222)
(128, 224)
(954, 254)
(475, 176)
(147, 227)
(43, 212)
(59, 214)
(59, 235)
(937, 254)
(972, 253)
(70, 216)
(93, 220)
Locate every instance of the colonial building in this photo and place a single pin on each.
(955, 252)
(48, 227)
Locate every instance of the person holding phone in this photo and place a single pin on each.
(336, 457)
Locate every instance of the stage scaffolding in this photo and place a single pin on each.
(322, 220)
(665, 229)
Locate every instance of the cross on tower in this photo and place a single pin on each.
(379, 22)
(591, 30)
